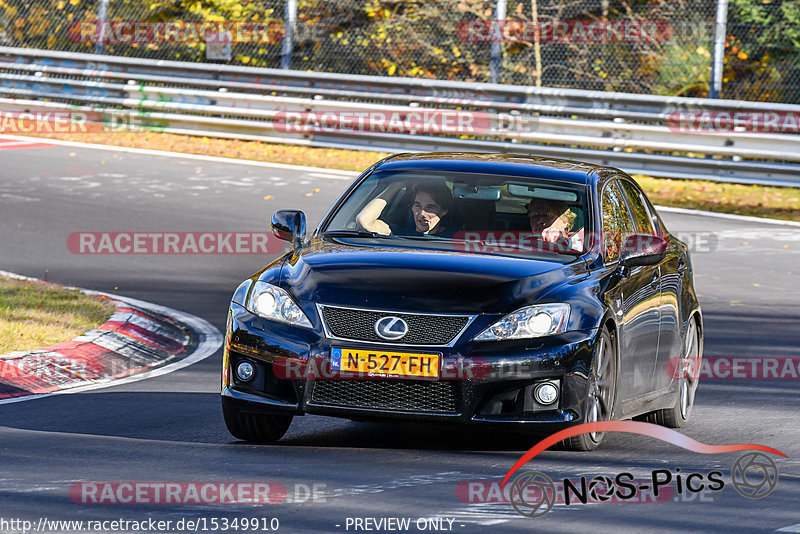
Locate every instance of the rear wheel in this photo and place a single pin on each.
(601, 394)
(261, 428)
(677, 416)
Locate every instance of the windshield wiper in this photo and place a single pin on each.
(353, 233)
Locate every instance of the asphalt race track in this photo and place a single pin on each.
(170, 428)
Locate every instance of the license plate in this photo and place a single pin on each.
(385, 363)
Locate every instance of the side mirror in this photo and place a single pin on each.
(289, 225)
(643, 249)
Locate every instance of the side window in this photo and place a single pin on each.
(658, 224)
(617, 221)
(641, 214)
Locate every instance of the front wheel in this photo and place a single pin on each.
(260, 428)
(601, 393)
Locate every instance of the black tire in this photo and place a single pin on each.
(259, 428)
(601, 394)
(677, 416)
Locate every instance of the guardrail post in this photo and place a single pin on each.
(718, 55)
(497, 46)
(102, 17)
(289, 20)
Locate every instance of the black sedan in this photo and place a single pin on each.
(484, 289)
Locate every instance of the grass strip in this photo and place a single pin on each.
(36, 314)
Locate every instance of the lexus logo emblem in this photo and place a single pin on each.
(391, 328)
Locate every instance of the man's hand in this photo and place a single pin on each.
(392, 190)
(556, 236)
(368, 217)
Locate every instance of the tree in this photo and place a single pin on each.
(761, 51)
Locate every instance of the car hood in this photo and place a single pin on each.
(417, 280)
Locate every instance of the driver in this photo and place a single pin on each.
(432, 204)
(553, 220)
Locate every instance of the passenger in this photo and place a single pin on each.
(553, 221)
(431, 210)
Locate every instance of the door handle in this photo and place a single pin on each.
(654, 280)
(681, 265)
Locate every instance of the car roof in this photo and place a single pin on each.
(576, 172)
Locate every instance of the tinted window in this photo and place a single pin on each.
(617, 222)
(641, 215)
(466, 212)
(658, 224)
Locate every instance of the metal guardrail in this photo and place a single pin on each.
(628, 131)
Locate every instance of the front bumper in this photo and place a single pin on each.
(480, 382)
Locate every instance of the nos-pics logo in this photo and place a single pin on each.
(754, 475)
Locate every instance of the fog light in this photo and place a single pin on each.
(245, 371)
(546, 393)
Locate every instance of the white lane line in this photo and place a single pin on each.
(766, 234)
(402, 483)
(4, 143)
(332, 173)
(18, 198)
(324, 175)
(731, 216)
(209, 341)
(338, 174)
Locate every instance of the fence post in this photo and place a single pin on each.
(497, 47)
(289, 19)
(718, 54)
(102, 17)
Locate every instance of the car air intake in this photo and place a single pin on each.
(359, 325)
(388, 395)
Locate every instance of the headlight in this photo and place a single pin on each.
(275, 304)
(530, 321)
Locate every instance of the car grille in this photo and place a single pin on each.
(390, 395)
(349, 323)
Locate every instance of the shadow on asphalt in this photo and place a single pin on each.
(735, 331)
(195, 418)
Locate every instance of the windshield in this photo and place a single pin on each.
(466, 212)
